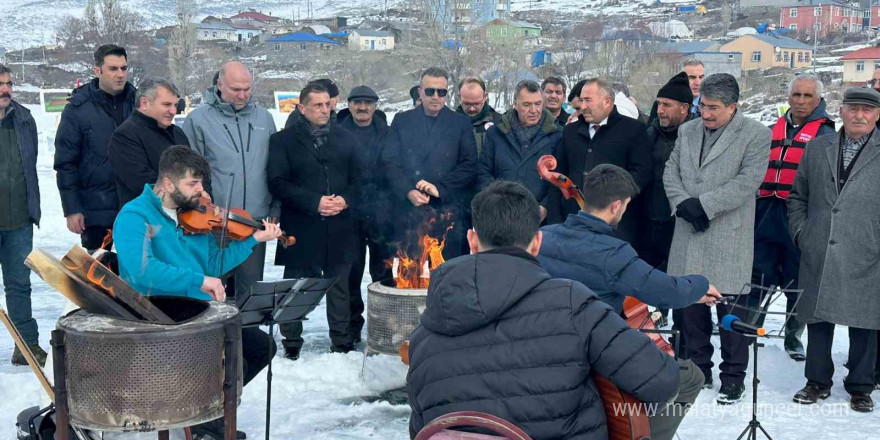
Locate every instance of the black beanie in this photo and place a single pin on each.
(678, 89)
(576, 90)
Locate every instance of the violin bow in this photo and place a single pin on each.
(546, 164)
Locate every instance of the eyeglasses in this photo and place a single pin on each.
(440, 92)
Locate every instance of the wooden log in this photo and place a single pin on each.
(19, 342)
(91, 271)
(81, 293)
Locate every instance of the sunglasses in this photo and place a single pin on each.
(440, 92)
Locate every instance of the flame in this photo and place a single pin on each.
(414, 273)
(108, 240)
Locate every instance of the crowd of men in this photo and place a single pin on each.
(691, 194)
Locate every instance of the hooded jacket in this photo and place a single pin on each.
(500, 335)
(84, 175)
(502, 158)
(236, 144)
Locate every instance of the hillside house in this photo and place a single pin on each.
(859, 66)
(764, 51)
(370, 40)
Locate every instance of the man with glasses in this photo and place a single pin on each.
(85, 177)
(474, 104)
(711, 179)
(430, 160)
(553, 92)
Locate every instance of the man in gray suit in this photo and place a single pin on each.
(832, 213)
(711, 179)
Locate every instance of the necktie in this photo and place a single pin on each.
(595, 129)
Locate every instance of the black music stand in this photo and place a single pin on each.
(280, 302)
(768, 295)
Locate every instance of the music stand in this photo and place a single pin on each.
(768, 296)
(280, 302)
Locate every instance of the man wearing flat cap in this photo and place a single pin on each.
(373, 214)
(832, 212)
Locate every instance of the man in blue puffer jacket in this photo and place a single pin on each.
(502, 336)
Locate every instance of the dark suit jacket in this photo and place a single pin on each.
(623, 141)
(299, 175)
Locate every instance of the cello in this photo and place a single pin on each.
(632, 423)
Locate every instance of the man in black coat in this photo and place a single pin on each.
(601, 135)
(672, 108)
(431, 160)
(501, 336)
(84, 175)
(136, 145)
(374, 210)
(314, 170)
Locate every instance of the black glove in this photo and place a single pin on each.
(691, 210)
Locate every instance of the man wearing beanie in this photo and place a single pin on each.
(332, 88)
(673, 108)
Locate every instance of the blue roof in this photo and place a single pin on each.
(301, 37)
(335, 35)
(785, 42)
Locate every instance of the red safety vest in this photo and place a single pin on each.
(785, 155)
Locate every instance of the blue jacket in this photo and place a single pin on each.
(582, 249)
(502, 158)
(84, 175)
(500, 335)
(156, 258)
(26, 135)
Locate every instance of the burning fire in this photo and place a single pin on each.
(415, 273)
(100, 258)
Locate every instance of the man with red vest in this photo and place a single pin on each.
(776, 258)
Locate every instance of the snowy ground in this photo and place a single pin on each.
(323, 396)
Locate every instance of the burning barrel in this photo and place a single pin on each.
(392, 314)
(123, 375)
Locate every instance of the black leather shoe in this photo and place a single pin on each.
(341, 348)
(811, 394)
(292, 353)
(730, 393)
(861, 402)
(39, 355)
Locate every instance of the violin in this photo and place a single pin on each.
(633, 422)
(208, 217)
(546, 164)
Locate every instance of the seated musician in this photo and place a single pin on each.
(584, 250)
(501, 336)
(157, 258)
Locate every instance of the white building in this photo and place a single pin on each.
(218, 30)
(370, 40)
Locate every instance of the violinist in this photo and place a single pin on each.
(583, 249)
(156, 257)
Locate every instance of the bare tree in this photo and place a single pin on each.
(181, 48)
(104, 21)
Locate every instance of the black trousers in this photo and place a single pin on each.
(337, 304)
(379, 253)
(93, 236)
(862, 356)
(776, 263)
(696, 333)
(257, 349)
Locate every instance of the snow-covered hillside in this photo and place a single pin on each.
(33, 22)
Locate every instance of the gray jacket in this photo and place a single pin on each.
(726, 184)
(838, 234)
(234, 143)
